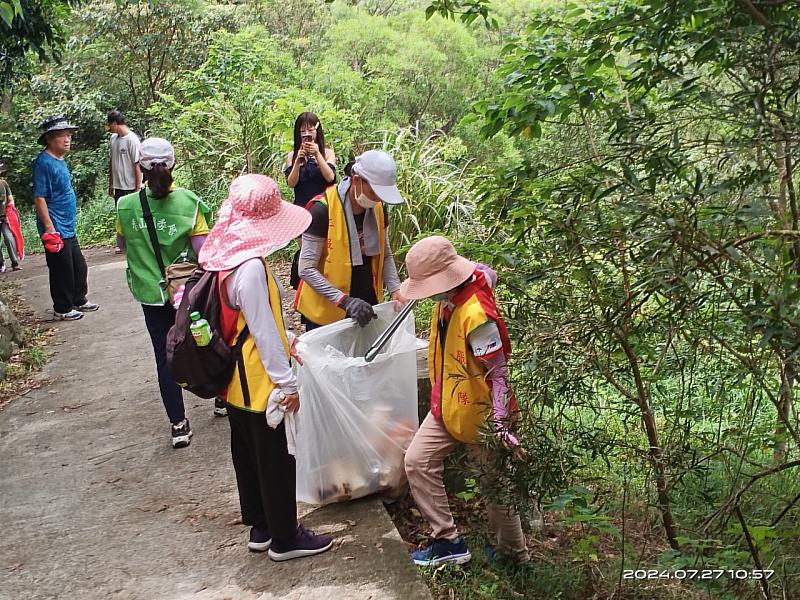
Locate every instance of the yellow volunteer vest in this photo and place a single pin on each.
(258, 381)
(466, 397)
(336, 264)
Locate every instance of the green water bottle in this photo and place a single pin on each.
(201, 330)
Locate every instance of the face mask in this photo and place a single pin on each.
(441, 297)
(363, 200)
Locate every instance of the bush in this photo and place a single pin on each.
(95, 225)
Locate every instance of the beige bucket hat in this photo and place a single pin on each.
(434, 267)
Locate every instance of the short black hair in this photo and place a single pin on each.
(117, 117)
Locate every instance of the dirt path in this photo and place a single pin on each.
(94, 503)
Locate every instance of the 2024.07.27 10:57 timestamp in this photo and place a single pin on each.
(701, 574)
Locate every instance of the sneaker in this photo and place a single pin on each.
(72, 315)
(181, 434)
(2, 268)
(443, 551)
(260, 540)
(16, 268)
(220, 408)
(117, 250)
(304, 543)
(87, 307)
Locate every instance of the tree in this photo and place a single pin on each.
(236, 112)
(28, 26)
(402, 70)
(654, 237)
(136, 51)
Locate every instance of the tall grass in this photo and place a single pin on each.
(434, 175)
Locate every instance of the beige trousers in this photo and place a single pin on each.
(425, 469)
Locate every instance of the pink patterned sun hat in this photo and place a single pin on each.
(252, 222)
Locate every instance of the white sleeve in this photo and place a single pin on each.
(485, 340)
(247, 289)
(134, 147)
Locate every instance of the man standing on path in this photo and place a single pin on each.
(124, 174)
(56, 217)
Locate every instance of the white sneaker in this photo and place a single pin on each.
(220, 408)
(72, 315)
(87, 307)
(181, 434)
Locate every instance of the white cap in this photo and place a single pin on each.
(380, 171)
(156, 150)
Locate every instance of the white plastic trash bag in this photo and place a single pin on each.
(356, 419)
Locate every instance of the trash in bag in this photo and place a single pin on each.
(356, 419)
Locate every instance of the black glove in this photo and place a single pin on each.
(358, 310)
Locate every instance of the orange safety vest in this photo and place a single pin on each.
(336, 264)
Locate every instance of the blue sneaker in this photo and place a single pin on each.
(443, 551)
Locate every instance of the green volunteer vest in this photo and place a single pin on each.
(174, 218)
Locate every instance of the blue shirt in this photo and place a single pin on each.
(53, 182)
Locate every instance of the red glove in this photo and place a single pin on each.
(52, 242)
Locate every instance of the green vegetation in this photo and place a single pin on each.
(628, 166)
(30, 357)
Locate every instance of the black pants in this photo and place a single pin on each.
(309, 324)
(120, 193)
(11, 243)
(265, 473)
(158, 320)
(68, 273)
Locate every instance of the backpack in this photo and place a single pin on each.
(205, 371)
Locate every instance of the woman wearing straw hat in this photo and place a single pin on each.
(345, 259)
(252, 223)
(467, 355)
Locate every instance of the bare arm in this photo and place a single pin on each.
(137, 173)
(41, 209)
(110, 179)
(294, 175)
(325, 168)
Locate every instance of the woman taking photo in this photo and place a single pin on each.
(311, 165)
(180, 223)
(346, 260)
(310, 169)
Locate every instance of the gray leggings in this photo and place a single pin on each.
(10, 242)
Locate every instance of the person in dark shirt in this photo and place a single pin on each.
(311, 165)
(310, 169)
